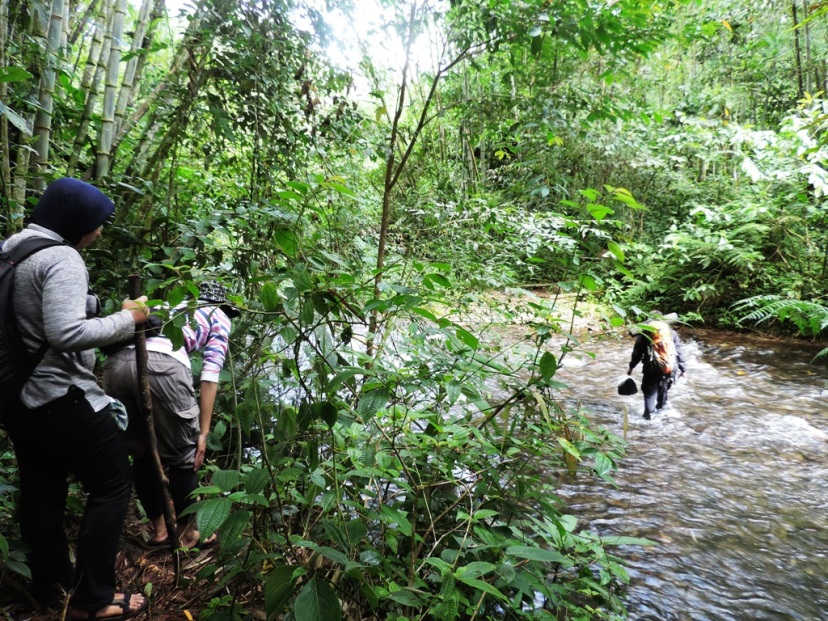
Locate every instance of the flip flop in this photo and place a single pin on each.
(123, 604)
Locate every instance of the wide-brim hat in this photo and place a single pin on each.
(627, 387)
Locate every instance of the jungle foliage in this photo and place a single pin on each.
(380, 451)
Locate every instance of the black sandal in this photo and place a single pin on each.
(123, 604)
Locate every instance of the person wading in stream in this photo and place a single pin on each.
(659, 348)
(62, 423)
(181, 422)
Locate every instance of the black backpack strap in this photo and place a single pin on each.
(28, 247)
(22, 251)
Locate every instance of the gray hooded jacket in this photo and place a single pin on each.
(51, 304)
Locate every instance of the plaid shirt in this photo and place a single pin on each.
(208, 331)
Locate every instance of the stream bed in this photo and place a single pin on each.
(730, 479)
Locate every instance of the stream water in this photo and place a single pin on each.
(730, 480)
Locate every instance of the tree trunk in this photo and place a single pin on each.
(808, 63)
(797, 52)
(5, 162)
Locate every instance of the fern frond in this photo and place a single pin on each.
(810, 318)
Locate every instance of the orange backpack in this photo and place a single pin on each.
(662, 348)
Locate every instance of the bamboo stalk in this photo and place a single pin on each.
(141, 360)
(46, 95)
(128, 83)
(107, 129)
(90, 83)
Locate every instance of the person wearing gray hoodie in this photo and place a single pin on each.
(62, 424)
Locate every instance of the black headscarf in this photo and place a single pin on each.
(72, 209)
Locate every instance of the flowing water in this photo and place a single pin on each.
(730, 480)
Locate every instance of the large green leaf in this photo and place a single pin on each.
(537, 554)
(317, 602)
(14, 74)
(225, 480)
(15, 119)
(233, 527)
(269, 297)
(211, 514)
(482, 586)
(255, 480)
(372, 402)
(548, 365)
(278, 588)
(286, 240)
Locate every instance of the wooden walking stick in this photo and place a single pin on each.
(141, 359)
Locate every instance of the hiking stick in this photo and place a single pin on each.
(141, 361)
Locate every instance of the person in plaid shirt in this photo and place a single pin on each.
(182, 422)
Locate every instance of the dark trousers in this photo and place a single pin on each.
(151, 494)
(654, 388)
(51, 442)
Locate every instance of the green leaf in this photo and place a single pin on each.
(337, 557)
(278, 588)
(474, 570)
(269, 297)
(255, 481)
(341, 189)
(307, 312)
(302, 188)
(372, 402)
(343, 376)
(328, 413)
(317, 602)
(301, 279)
(438, 279)
(14, 74)
(4, 548)
(569, 447)
(19, 567)
(588, 282)
(482, 586)
(211, 514)
(453, 391)
(15, 119)
(424, 313)
(286, 240)
(541, 555)
(233, 527)
(226, 480)
(548, 365)
(394, 516)
(467, 337)
(615, 249)
(407, 597)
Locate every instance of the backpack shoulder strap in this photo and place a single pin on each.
(20, 252)
(28, 247)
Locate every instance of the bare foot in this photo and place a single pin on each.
(123, 605)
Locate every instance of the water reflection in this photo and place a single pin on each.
(731, 480)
